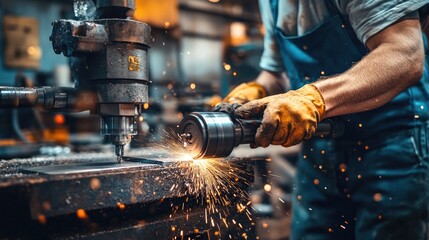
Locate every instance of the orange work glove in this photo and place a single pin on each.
(288, 118)
(245, 92)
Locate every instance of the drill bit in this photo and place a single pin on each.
(119, 150)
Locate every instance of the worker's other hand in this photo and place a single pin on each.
(226, 107)
(288, 118)
(245, 92)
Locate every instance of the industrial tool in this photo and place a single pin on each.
(109, 58)
(216, 134)
(115, 52)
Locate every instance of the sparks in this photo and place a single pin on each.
(217, 184)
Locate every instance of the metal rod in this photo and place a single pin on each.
(47, 97)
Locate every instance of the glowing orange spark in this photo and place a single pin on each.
(81, 214)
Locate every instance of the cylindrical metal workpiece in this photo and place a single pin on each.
(215, 134)
(18, 97)
(68, 99)
(210, 134)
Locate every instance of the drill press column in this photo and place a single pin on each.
(113, 51)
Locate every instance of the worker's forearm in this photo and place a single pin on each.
(272, 82)
(386, 71)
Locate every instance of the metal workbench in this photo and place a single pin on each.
(90, 196)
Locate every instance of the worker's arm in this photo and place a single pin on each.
(395, 62)
(273, 82)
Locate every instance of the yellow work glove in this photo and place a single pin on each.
(288, 118)
(245, 92)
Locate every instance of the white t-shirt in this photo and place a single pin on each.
(297, 17)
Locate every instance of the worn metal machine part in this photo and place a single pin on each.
(216, 134)
(144, 196)
(111, 56)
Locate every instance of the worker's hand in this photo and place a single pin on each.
(226, 108)
(288, 118)
(245, 92)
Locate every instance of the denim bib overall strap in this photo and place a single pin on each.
(326, 50)
(358, 187)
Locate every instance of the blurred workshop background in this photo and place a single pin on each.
(199, 50)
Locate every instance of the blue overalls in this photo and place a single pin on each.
(373, 182)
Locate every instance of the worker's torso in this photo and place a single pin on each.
(332, 48)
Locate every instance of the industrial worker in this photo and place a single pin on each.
(364, 62)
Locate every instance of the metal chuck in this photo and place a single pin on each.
(216, 134)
